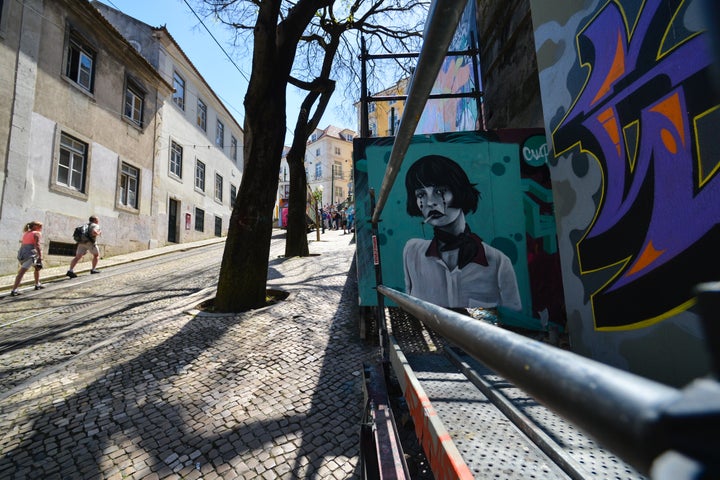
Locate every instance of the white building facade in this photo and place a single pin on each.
(103, 115)
(199, 143)
(77, 129)
(328, 164)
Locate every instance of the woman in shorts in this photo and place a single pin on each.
(29, 255)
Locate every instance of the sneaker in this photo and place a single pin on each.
(94, 270)
(14, 293)
(39, 286)
(71, 274)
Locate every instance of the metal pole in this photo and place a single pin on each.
(382, 326)
(318, 219)
(478, 93)
(622, 410)
(440, 27)
(364, 128)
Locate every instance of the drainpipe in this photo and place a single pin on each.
(153, 215)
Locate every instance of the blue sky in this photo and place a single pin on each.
(219, 72)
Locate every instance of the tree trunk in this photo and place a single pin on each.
(296, 243)
(243, 272)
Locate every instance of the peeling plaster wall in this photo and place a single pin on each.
(45, 104)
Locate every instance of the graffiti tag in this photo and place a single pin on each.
(642, 114)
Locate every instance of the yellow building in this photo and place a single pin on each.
(328, 164)
(384, 115)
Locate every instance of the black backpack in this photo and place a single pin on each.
(81, 233)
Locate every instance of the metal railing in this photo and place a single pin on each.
(669, 433)
(636, 418)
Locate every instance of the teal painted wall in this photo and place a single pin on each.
(503, 218)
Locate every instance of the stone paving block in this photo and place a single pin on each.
(218, 390)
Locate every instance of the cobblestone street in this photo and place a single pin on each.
(273, 393)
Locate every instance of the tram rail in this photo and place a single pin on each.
(75, 311)
(43, 329)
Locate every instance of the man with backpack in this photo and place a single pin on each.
(86, 236)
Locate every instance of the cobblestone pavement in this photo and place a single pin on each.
(273, 393)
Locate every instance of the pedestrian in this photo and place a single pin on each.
(456, 268)
(351, 219)
(29, 255)
(87, 244)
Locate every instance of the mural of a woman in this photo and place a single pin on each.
(455, 269)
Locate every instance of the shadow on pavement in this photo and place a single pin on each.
(198, 401)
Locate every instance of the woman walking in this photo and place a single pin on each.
(29, 255)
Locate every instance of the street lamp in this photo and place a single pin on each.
(318, 208)
(332, 184)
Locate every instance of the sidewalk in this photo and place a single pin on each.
(53, 273)
(272, 393)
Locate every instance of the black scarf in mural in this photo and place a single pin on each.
(469, 245)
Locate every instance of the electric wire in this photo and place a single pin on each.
(113, 111)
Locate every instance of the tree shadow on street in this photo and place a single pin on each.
(199, 400)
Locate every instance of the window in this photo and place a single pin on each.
(218, 226)
(339, 194)
(337, 150)
(179, 94)
(200, 175)
(318, 170)
(199, 220)
(233, 194)
(337, 170)
(80, 63)
(134, 103)
(371, 107)
(220, 134)
(233, 148)
(176, 154)
(72, 163)
(218, 187)
(317, 152)
(202, 115)
(129, 178)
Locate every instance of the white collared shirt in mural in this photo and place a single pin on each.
(427, 277)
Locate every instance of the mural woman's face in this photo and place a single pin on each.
(434, 203)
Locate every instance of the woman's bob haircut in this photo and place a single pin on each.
(439, 171)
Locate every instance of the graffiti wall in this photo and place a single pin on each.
(468, 224)
(630, 109)
(456, 75)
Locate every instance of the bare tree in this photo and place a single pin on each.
(278, 28)
(393, 27)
